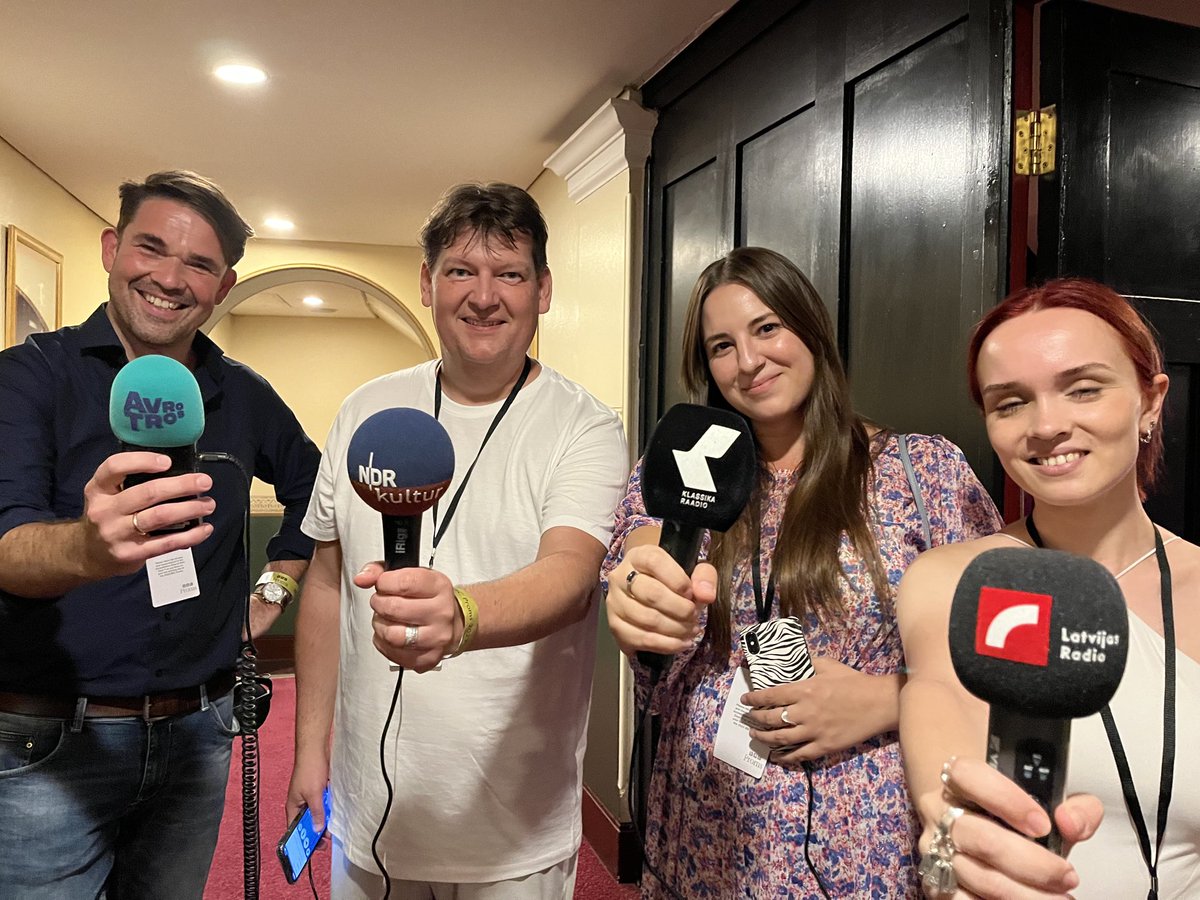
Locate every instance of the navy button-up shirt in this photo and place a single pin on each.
(105, 638)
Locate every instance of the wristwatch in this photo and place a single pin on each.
(276, 588)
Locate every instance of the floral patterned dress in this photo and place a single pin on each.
(715, 832)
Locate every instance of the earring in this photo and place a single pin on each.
(1145, 438)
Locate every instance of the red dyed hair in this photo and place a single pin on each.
(1109, 306)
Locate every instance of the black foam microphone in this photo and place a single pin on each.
(400, 461)
(1041, 636)
(697, 475)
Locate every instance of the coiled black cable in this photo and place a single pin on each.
(247, 690)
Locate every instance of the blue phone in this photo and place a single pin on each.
(301, 839)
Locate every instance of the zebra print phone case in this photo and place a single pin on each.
(776, 653)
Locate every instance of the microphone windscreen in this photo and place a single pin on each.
(155, 402)
(699, 467)
(1040, 632)
(400, 461)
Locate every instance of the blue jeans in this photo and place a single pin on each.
(120, 807)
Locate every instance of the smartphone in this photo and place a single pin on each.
(776, 653)
(301, 839)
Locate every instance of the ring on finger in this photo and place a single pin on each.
(783, 717)
(138, 528)
(937, 864)
(945, 776)
(633, 573)
(410, 635)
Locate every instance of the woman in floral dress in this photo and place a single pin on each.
(832, 525)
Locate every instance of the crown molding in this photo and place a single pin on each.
(615, 139)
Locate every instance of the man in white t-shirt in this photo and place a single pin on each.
(485, 752)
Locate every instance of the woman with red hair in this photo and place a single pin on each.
(1071, 385)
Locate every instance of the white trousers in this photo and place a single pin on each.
(349, 882)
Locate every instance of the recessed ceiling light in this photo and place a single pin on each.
(313, 300)
(239, 74)
(277, 224)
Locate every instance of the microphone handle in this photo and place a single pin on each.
(1033, 752)
(682, 543)
(401, 541)
(183, 462)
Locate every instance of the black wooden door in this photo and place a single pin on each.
(1123, 206)
(864, 139)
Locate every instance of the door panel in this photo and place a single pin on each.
(690, 245)
(1155, 163)
(778, 178)
(908, 175)
(865, 140)
(1121, 208)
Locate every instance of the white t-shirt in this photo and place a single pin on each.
(486, 755)
(1110, 863)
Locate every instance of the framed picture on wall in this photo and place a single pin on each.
(32, 287)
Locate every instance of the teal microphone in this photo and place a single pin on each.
(155, 405)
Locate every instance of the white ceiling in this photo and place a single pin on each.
(373, 107)
(338, 300)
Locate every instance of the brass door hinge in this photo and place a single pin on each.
(1035, 137)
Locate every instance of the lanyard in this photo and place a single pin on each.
(762, 604)
(1167, 772)
(440, 531)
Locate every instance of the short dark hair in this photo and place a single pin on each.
(201, 194)
(487, 211)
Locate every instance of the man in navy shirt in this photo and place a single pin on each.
(116, 717)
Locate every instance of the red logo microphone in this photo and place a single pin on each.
(1014, 625)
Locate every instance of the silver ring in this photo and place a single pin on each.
(138, 528)
(783, 717)
(937, 863)
(633, 573)
(945, 776)
(410, 635)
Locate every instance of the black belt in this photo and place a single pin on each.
(178, 702)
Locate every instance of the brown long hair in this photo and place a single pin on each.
(834, 479)
(1111, 308)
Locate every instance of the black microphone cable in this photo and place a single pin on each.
(812, 869)
(246, 702)
(637, 803)
(637, 810)
(387, 807)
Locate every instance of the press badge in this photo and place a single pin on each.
(172, 577)
(733, 743)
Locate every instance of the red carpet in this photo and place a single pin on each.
(593, 882)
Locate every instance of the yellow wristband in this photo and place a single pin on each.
(470, 613)
(287, 582)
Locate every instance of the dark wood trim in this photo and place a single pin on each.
(275, 652)
(615, 843)
(721, 41)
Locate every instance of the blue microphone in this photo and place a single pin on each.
(400, 461)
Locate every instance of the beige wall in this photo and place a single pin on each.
(36, 204)
(314, 363)
(587, 335)
(584, 333)
(394, 268)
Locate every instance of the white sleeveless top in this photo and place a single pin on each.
(1110, 863)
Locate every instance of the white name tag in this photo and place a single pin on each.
(733, 744)
(172, 577)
